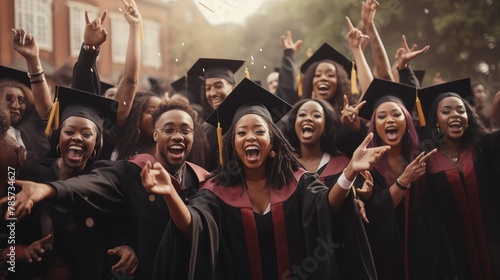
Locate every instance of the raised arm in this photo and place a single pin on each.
(127, 86)
(356, 39)
(25, 44)
(368, 10)
(85, 75)
(157, 180)
(403, 57)
(287, 86)
(362, 159)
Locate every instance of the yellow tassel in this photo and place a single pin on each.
(354, 85)
(421, 116)
(299, 85)
(53, 118)
(141, 31)
(219, 140)
(247, 73)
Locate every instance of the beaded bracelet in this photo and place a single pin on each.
(401, 186)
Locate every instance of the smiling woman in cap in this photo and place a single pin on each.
(461, 187)
(260, 214)
(388, 209)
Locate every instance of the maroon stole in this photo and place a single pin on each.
(237, 197)
(467, 199)
(141, 159)
(335, 165)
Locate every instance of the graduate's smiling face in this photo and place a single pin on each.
(325, 81)
(77, 141)
(174, 134)
(14, 98)
(216, 90)
(452, 117)
(390, 123)
(310, 123)
(252, 141)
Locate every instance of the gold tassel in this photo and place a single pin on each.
(354, 85)
(421, 117)
(53, 117)
(219, 140)
(141, 31)
(299, 85)
(247, 73)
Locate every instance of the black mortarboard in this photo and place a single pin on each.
(327, 52)
(381, 91)
(7, 73)
(105, 87)
(420, 76)
(189, 87)
(216, 68)
(248, 98)
(98, 109)
(430, 96)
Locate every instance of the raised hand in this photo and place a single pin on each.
(368, 10)
(365, 158)
(35, 251)
(365, 192)
(355, 37)
(95, 34)
(132, 14)
(128, 259)
(156, 179)
(404, 54)
(416, 168)
(24, 43)
(287, 42)
(349, 115)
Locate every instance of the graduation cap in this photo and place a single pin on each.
(327, 52)
(381, 91)
(189, 87)
(246, 98)
(420, 76)
(73, 102)
(7, 73)
(430, 96)
(105, 87)
(216, 68)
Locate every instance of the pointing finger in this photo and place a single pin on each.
(349, 23)
(87, 20)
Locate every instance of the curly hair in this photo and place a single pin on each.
(472, 135)
(279, 169)
(333, 128)
(131, 141)
(343, 86)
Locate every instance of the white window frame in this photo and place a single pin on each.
(119, 37)
(151, 51)
(77, 23)
(35, 16)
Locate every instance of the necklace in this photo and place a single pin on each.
(256, 185)
(453, 159)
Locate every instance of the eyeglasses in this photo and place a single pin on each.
(171, 130)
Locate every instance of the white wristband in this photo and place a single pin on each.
(343, 182)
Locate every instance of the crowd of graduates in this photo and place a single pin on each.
(328, 171)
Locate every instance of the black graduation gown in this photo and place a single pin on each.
(463, 220)
(230, 241)
(120, 184)
(354, 257)
(389, 229)
(82, 234)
